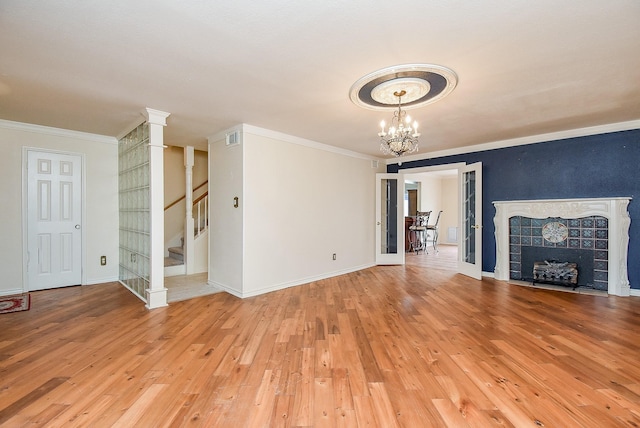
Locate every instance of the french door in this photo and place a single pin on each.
(389, 219)
(54, 213)
(470, 240)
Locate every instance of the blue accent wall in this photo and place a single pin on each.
(596, 166)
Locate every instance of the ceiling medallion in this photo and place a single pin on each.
(409, 85)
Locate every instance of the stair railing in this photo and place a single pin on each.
(183, 197)
(201, 214)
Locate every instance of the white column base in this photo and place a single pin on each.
(156, 298)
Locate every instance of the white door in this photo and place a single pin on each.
(470, 240)
(54, 229)
(389, 219)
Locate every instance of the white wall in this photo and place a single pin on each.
(301, 203)
(225, 221)
(430, 196)
(100, 193)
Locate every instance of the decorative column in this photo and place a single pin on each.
(156, 293)
(189, 251)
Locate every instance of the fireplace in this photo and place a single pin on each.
(592, 233)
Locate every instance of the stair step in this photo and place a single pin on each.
(170, 261)
(176, 253)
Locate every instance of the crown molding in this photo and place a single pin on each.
(255, 130)
(58, 132)
(540, 138)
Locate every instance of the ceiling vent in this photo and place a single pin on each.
(233, 138)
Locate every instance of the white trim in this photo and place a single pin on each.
(634, 292)
(615, 209)
(12, 291)
(94, 281)
(540, 138)
(245, 128)
(155, 117)
(47, 130)
(284, 285)
(433, 168)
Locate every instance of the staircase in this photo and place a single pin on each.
(187, 252)
(175, 263)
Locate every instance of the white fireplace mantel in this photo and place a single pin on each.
(614, 209)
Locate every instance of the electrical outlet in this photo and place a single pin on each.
(334, 256)
(103, 260)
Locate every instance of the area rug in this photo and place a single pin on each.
(21, 302)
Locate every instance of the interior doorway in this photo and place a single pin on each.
(435, 191)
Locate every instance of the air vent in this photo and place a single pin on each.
(374, 164)
(233, 138)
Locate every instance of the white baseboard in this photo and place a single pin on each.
(11, 292)
(284, 285)
(94, 281)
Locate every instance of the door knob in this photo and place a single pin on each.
(77, 226)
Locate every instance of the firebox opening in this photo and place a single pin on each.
(582, 258)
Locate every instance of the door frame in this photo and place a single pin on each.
(474, 270)
(457, 166)
(25, 214)
(398, 257)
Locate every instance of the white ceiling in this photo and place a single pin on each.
(524, 67)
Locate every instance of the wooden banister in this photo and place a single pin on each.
(185, 196)
(201, 197)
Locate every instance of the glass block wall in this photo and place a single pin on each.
(133, 185)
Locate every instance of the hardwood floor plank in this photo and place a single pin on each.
(386, 346)
(137, 410)
(385, 415)
(262, 409)
(33, 396)
(323, 403)
(303, 404)
(449, 413)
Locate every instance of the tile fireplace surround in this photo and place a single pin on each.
(614, 209)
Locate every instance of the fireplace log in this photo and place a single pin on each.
(555, 272)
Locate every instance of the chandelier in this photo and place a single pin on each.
(402, 137)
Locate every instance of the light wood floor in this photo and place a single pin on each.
(386, 346)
